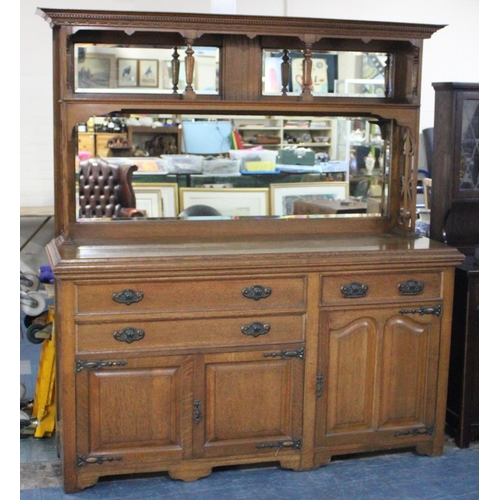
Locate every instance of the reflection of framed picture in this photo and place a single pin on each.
(148, 73)
(158, 199)
(236, 202)
(127, 73)
(283, 196)
(95, 71)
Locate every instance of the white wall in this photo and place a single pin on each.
(452, 54)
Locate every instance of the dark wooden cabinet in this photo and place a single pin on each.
(455, 221)
(193, 344)
(455, 174)
(462, 412)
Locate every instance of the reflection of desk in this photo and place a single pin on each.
(307, 207)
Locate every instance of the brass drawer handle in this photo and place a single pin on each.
(256, 292)
(354, 290)
(128, 296)
(129, 335)
(411, 287)
(255, 329)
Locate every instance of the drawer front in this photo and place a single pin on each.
(138, 335)
(364, 287)
(199, 295)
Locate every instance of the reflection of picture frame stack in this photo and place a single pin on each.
(148, 73)
(127, 73)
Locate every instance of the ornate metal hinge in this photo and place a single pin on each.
(286, 354)
(256, 292)
(97, 365)
(411, 287)
(320, 380)
(129, 335)
(416, 432)
(90, 460)
(354, 290)
(436, 311)
(256, 329)
(128, 296)
(197, 411)
(296, 444)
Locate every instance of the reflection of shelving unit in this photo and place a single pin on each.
(300, 131)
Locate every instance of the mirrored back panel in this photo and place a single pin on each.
(232, 166)
(141, 70)
(333, 73)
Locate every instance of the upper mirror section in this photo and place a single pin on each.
(333, 73)
(133, 70)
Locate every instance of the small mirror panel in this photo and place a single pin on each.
(134, 70)
(333, 73)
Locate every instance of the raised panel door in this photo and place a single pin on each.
(134, 410)
(252, 403)
(377, 377)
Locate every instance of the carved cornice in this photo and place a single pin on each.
(226, 24)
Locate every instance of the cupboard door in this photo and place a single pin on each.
(136, 410)
(379, 375)
(252, 403)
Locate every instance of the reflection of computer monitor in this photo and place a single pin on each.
(206, 137)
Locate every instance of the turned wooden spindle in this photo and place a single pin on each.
(189, 63)
(285, 72)
(175, 70)
(388, 76)
(307, 73)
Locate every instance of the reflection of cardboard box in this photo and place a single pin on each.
(374, 205)
(261, 160)
(296, 156)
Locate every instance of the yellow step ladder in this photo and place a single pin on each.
(44, 404)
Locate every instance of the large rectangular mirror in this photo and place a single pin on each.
(239, 165)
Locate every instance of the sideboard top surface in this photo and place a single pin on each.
(285, 253)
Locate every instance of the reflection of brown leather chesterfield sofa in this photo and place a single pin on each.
(105, 190)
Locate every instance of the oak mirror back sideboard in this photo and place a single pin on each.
(187, 343)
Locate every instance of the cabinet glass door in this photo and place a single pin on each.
(468, 173)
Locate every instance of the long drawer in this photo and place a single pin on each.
(381, 286)
(242, 331)
(177, 295)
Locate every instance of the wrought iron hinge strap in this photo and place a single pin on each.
(436, 311)
(300, 353)
(296, 444)
(97, 365)
(90, 460)
(416, 432)
(320, 379)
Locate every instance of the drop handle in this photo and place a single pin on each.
(255, 329)
(128, 296)
(256, 292)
